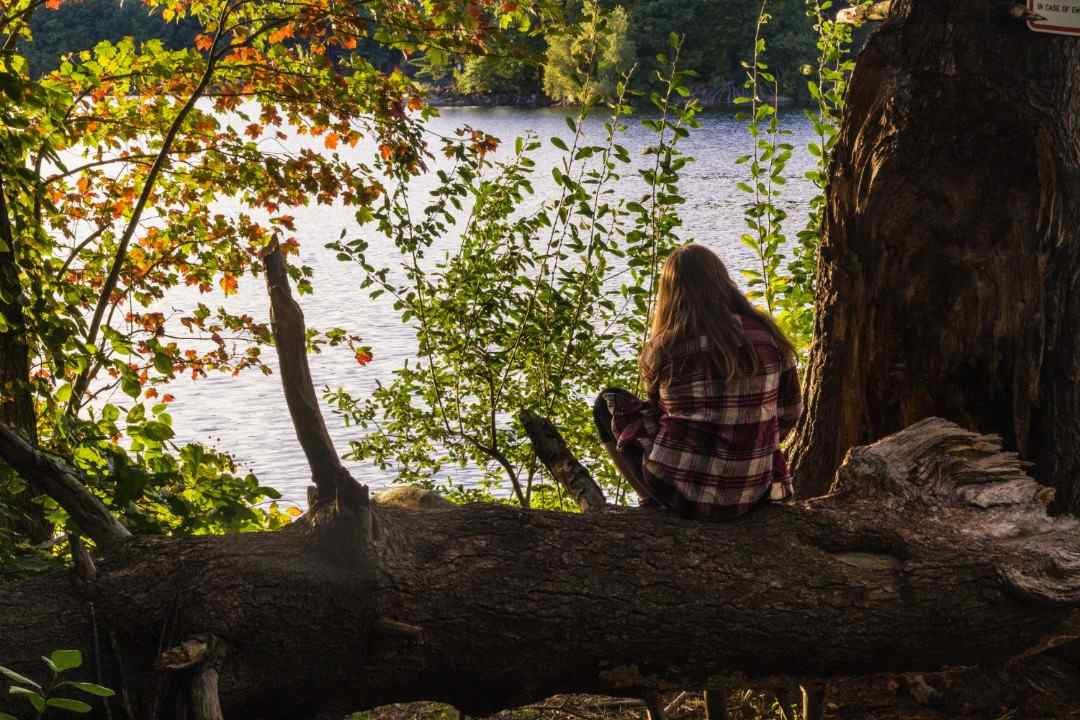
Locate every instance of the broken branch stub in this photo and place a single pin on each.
(553, 452)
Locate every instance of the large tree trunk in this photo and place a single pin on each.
(24, 516)
(951, 252)
(936, 551)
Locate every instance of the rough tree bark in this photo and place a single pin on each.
(951, 250)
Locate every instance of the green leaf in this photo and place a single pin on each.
(130, 385)
(163, 363)
(88, 687)
(157, 430)
(63, 393)
(17, 678)
(77, 706)
(66, 659)
(5, 716)
(32, 697)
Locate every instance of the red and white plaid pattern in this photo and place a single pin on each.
(713, 448)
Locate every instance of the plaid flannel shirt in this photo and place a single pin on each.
(713, 448)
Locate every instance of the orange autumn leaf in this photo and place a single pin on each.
(386, 151)
(167, 398)
(363, 357)
(282, 33)
(52, 4)
(83, 184)
(331, 140)
(151, 393)
(229, 283)
(204, 42)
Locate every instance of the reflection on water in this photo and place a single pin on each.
(247, 414)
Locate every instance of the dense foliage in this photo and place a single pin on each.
(111, 170)
(716, 37)
(583, 63)
(535, 309)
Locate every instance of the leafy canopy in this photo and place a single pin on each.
(114, 171)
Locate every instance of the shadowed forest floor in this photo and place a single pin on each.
(1045, 689)
(1045, 686)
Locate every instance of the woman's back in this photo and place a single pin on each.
(718, 440)
(711, 444)
(723, 394)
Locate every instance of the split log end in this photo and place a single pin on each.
(966, 484)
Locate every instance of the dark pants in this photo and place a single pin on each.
(632, 455)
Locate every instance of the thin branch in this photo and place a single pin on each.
(78, 249)
(151, 179)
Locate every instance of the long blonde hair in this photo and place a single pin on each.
(696, 298)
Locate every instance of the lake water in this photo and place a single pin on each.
(247, 415)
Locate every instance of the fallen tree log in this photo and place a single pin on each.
(935, 550)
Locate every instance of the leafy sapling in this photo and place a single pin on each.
(45, 696)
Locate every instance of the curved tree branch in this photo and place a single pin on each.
(59, 481)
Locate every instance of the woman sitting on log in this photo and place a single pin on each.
(723, 393)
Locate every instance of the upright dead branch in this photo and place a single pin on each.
(552, 450)
(331, 478)
(61, 482)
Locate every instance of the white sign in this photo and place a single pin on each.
(1062, 16)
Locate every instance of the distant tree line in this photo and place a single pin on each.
(718, 37)
(78, 26)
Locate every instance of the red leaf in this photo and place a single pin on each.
(204, 42)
